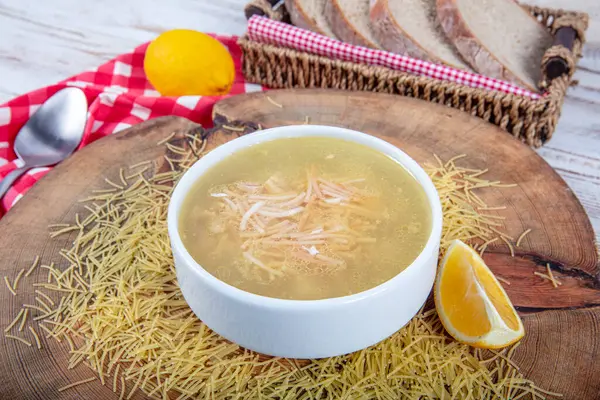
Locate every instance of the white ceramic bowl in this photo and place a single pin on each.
(305, 328)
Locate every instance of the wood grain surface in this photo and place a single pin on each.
(559, 339)
(561, 232)
(44, 44)
(562, 342)
(26, 372)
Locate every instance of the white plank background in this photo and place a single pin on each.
(42, 42)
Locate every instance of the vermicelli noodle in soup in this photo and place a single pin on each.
(305, 218)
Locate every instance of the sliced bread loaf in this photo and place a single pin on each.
(309, 14)
(349, 20)
(411, 27)
(498, 38)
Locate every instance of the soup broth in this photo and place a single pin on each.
(305, 218)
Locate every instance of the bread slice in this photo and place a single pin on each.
(309, 14)
(349, 20)
(498, 38)
(411, 27)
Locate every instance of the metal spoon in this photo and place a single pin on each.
(52, 133)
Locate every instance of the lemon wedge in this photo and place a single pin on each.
(472, 304)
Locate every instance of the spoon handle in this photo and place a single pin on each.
(9, 179)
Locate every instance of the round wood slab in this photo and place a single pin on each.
(562, 344)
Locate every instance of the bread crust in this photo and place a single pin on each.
(301, 19)
(342, 27)
(394, 38)
(479, 57)
(391, 36)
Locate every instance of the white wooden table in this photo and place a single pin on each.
(45, 41)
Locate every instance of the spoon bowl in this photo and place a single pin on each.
(52, 133)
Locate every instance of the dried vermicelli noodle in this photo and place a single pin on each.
(121, 311)
(549, 276)
(466, 216)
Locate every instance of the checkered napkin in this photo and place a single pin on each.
(268, 31)
(119, 96)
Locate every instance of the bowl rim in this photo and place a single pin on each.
(291, 131)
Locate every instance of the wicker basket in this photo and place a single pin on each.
(532, 121)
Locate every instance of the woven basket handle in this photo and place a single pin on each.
(569, 35)
(273, 9)
(567, 28)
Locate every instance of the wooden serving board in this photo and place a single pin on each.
(562, 343)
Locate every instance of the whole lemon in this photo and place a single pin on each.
(184, 62)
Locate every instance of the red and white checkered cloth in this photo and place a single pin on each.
(119, 96)
(268, 31)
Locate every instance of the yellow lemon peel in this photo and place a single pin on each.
(184, 62)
